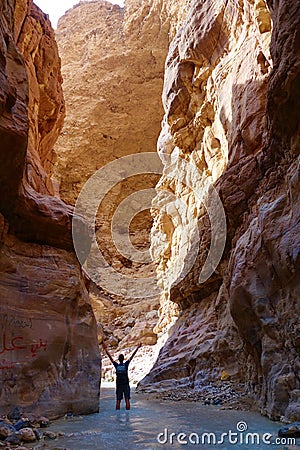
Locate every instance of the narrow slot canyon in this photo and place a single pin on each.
(149, 195)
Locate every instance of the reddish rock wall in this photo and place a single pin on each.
(49, 360)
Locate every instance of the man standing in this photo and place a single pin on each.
(122, 386)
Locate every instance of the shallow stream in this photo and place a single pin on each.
(150, 422)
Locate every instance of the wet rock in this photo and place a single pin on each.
(22, 423)
(38, 434)
(43, 422)
(6, 430)
(61, 434)
(292, 430)
(49, 435)
(13, 439)
(27, 435)
(292, 412)
(6, 420)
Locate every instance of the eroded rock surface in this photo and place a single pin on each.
(49, 360)
(113, 69)
(231, 84)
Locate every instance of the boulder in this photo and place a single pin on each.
(50, 435)
(290, 431)
(27, 435)
(6, 430)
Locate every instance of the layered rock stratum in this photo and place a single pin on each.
(50, 360)
(232, 121)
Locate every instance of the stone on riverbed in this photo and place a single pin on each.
(6, 430)
(38, 434)
(13, 439)
(43, 422)
(50, 435)
(292, 430)
(22, 423)
(27, 435)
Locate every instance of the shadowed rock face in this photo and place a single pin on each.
(49, 361)
(231, 84)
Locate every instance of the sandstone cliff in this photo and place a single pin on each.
(48, 344)
(230, 98)
(113, 68)
(230, 90)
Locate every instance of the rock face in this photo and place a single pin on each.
(113, 68)
(49, 360)
(231, 84)
(112, 58)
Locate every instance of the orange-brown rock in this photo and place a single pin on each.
(35, 40)
(50, 360)
(230, 98)
(26, 196)
(113, 68)
(108, 63)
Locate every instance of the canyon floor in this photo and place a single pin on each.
(139, 428)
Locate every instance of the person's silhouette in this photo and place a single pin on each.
(122, 382)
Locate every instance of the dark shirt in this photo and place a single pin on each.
(122, 372)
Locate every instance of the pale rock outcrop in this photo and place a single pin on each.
(230, 98)
(50, 360)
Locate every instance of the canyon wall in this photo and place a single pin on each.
(113, 69)
(231, 121)
(229, 140)
(110, 60)
(50, 362)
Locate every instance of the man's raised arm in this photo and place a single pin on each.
(135, 351)
(107, 352)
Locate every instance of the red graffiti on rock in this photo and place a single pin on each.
(17, 343)
(12, 345)
(6, 365)
(36, 346)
